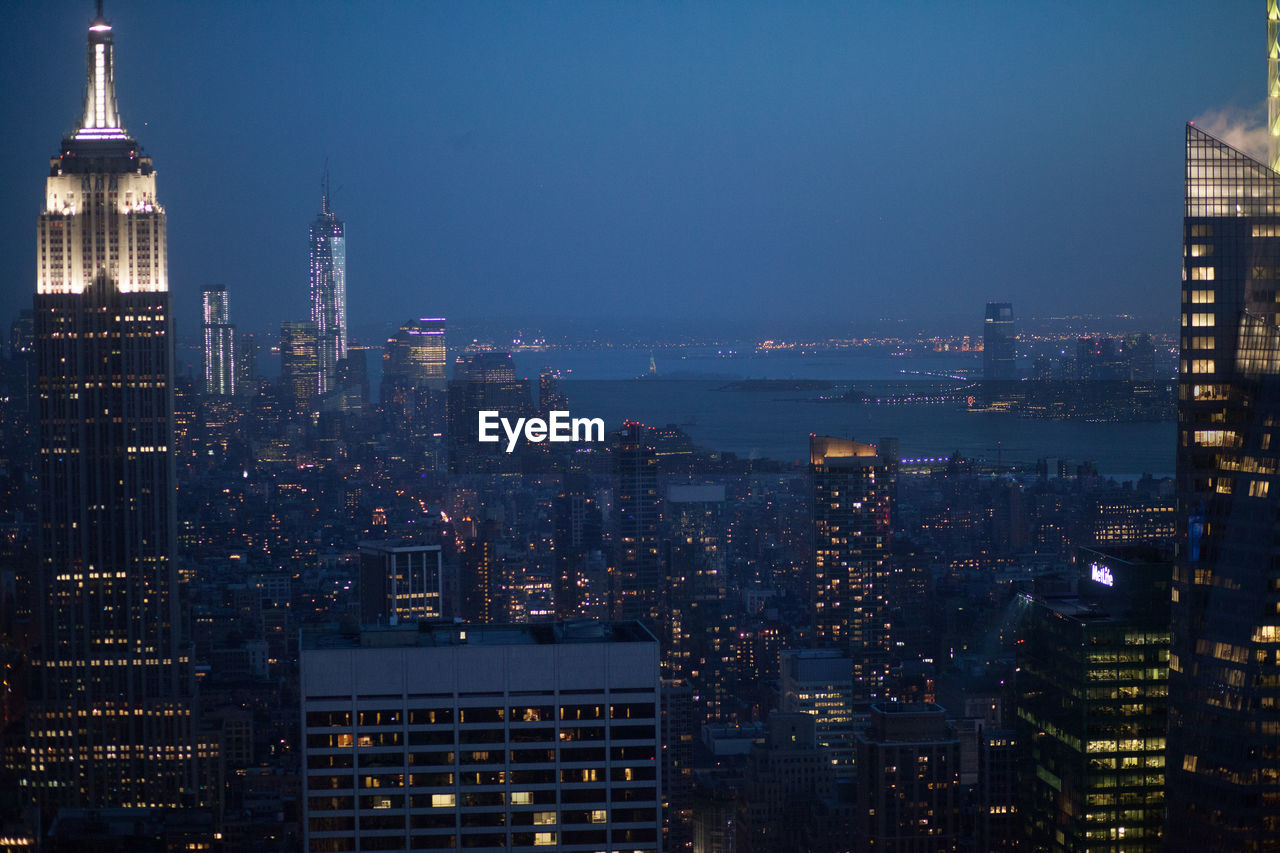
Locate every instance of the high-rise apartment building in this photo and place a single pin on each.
(328, 243)
(999, 343)
(851, 525)
(1224, 681)
(482, 738)
(109, 716)
(219, 349)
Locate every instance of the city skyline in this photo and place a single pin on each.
(705, 154)
(242, 611)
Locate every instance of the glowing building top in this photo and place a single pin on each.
(101, 115)
(101, 220)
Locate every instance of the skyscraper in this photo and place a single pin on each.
(999, 353)
(1223, 762)
(638, 584)
(416, 356)
(1091, 714)
(219, 343)
(300, 364)
(851, 547)
(109, 720)
(329, 290)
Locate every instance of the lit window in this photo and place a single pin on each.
(544, 818)
(1202, 273)
(442, 801)
(544, 839)
(521, 798)
(1201, 250)
(598, 816)
(1202, 365)
(1258, 488)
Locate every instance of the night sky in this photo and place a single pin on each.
(767, 167)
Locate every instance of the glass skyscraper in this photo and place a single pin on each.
(1224, 687)
(329, 291)
(109, 719)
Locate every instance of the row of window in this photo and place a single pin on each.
(516, 714)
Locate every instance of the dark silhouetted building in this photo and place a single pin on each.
(907, 767)
(484, 381)
(638, 581)
(579, 526)
(999, 343)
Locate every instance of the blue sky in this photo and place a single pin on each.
(795, 164)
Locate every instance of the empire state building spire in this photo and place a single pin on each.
(101, 116)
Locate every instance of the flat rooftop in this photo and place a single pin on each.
(445, 634)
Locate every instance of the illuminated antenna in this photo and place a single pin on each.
(324, 184)
(1273, 83)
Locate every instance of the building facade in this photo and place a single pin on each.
(483, 737)
(908, 765)
(999, 343)
(851, 529)
(1092, 707)
(1224, 684)
(300, 365)
(109, 716)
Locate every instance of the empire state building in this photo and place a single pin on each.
(109, 721)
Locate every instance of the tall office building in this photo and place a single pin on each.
(1224, 684)
(328, 290)
(999, 343)
(300, 365)
(109, 717)
(415, 356)
(851, 528)
(1091, 713)
(482, 738)
(219, 343)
